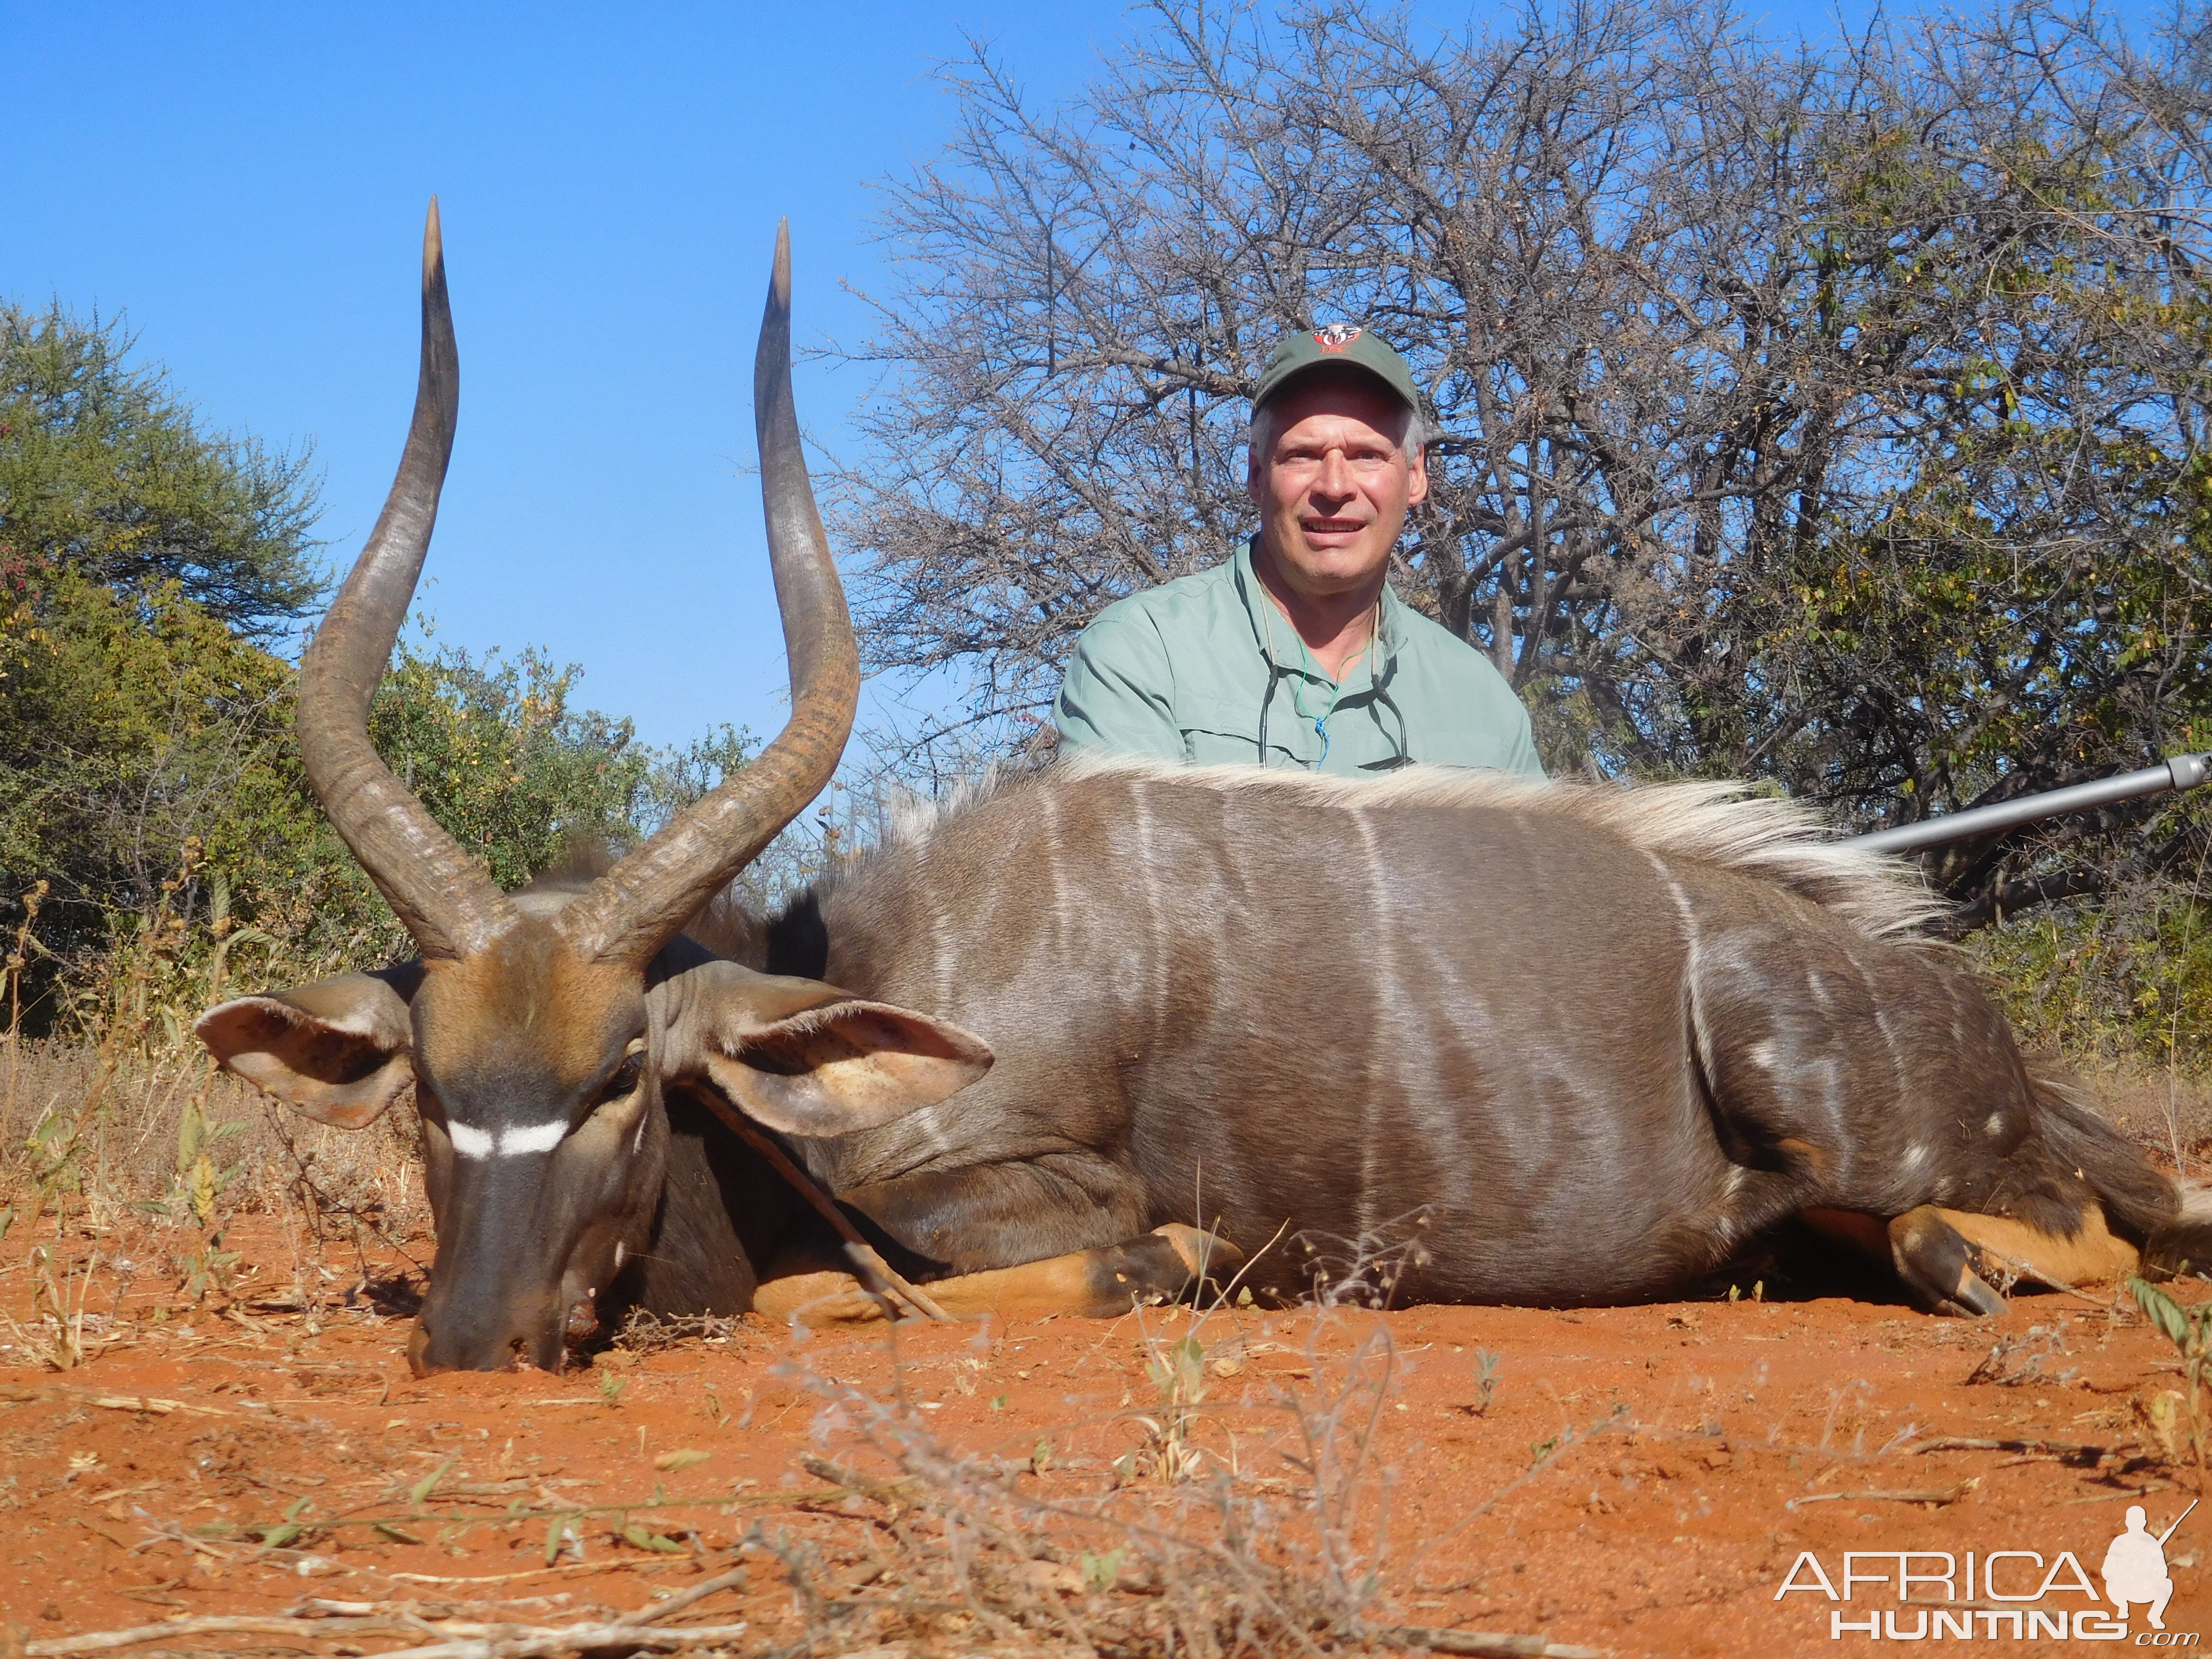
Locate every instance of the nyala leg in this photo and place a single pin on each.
(1164, 1265)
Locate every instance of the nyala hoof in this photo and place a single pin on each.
(1938, 1266)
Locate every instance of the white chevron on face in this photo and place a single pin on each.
(469, 1141)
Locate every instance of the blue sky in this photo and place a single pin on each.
(247, 183)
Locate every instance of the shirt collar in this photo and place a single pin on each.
(1258, 608)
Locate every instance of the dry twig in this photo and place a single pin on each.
(469, 1641)
(1480, 1641)
(1950, 1494)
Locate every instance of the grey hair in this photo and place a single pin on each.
(1259, 431)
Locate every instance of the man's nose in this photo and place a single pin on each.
(1334, 478)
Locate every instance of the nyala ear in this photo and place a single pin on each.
(338, 1050)
(804, 1058)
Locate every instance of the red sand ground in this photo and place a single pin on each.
(1639, 1481)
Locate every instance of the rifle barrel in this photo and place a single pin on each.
(2177, 1520)
(2181, 772)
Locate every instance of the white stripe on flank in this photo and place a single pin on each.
(1384, 929)
(940, 930)
(1699, 1035)
(471, 1142)
(1052, 849)
(1141, 813)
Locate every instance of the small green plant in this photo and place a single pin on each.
(58, 1337)
(53, 1145)
(289, 1529)
(201, 1181)
(419, 1493)
(1101, 1571)
(209, 1267)
(1179, 1374)
(560, 1535)
(2179, 1418)
(1486, 1362)
(638, 1537)
(199, 1177)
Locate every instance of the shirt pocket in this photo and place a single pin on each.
(1223, 731)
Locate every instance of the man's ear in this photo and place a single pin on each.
(338, 1050)
(803, 1057)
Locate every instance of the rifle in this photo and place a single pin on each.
(2177, 1520)
(2181, 772)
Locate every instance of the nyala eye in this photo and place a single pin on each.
(625, 1079)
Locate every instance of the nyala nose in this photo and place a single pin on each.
(440, 1342)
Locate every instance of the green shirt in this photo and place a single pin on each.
(1183, 670)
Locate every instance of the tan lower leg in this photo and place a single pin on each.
(2091, 1256)
(1078, 1282)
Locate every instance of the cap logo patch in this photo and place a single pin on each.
(1337, 337)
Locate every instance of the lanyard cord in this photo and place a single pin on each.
(1383, 699)
(1276, 672)
(1266, 701)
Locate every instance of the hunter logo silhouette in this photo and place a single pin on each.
(2135, 1567)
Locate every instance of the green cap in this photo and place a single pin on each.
(1339, 342)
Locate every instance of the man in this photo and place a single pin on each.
(2134, 1568)
(1295, 653)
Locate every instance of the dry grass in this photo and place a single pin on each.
(2164, 1109)
(118, 1125)
(1258, 1528)
(152, 1157)
(1268, 1535)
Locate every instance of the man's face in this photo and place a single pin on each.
(1333, 482)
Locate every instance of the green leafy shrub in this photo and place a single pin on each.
(149, 774)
